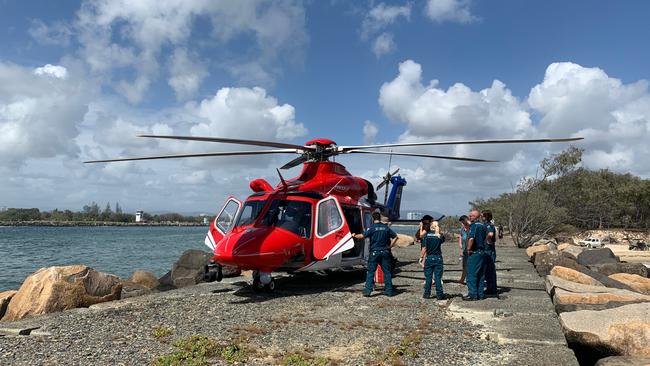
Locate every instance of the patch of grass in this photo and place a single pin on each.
(161, 332)
(198, 349)
(299, 359)
(234, 353)
(180, 358)
(199, 345)
(407, 348)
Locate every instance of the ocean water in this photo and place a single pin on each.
(116, 250)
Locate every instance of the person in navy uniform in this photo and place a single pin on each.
(476, 258)
(490, 254)
(431, 259)
(462, 245)
(380, 236)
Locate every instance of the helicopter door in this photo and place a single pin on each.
(223, 223)
(332, 233)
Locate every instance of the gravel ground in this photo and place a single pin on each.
(320, 318)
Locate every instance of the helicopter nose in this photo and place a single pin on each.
(257, 248)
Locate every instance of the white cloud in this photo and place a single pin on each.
(430, 111)
(572, 100)
(370, 131)
(232, 112)
(380, 16)
(450, 11)
(39, 112)
(250, 112)
(383, 44)
(195, 178)
(186, 74)
(56, 71)
(613, 117)
(124, 42)
(377, 19)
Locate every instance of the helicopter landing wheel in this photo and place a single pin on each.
(257, 283)
(270, 287)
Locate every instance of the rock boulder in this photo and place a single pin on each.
(597, 256)
(188, 269)
(532, 251)
(611, 268)
(5, 297)
(573, 301)
(166, 283)
(404, 241)
(544, 262)
(623, 361)
(572, 296)
(638, 283)
(621, 331)
(144, 278)
(572, 275)
(60, 288)
(132, 289)
(572, 251)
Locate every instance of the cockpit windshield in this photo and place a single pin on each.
(294, 216)
(250, 212)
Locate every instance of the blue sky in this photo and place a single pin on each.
(290, 70)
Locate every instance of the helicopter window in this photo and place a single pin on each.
(250, 211)
(294, 216)
(227, 216)
(367, 220)
(329, 217)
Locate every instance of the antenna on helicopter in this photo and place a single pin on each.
(387, 177)
(285, 186)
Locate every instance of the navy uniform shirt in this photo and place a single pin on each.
(379, 235)
(464, 237)
(432, 242)
(490, 229)
(478, 232)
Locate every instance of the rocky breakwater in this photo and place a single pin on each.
(60, 288)
(603, 304)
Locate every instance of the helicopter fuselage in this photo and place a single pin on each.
(303, 224)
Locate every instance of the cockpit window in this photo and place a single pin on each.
(250, 212)
(294, 216)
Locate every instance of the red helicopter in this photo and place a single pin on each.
(304, 223)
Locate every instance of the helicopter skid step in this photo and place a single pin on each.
(263, 281)
(212, 272)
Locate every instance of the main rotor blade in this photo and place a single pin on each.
(199, 155)
(231, 141)
(463, 142)
(422, 156)
(295, 162)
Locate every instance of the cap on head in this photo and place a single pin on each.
(426, 218)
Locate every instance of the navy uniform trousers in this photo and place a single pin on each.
(384, 258)
(476, 274)
(490, 271)
(433, 266)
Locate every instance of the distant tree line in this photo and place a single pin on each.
(90, 212)
(565, 197)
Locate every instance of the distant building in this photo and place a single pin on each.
(3, 208)
(139, 216)
(206, 219)
(414, 215)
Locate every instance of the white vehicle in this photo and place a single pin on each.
(592, 243)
